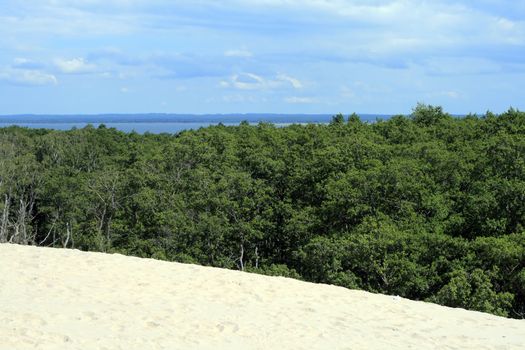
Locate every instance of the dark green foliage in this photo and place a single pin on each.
(428, 206)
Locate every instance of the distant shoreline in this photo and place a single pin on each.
(166, 123)
(177, 118)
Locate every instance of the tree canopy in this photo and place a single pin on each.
(426, 206)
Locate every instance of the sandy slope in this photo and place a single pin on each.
(67, 299)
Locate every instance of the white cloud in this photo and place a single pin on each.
(27, 77)
(236, 98)
(25, 63)
(299, 100)
(250, 81)
(21, 61)
(461, 66)
(347, 92)
(295, 82)
(506, 31)
(238, 53)
(66, 21)
(75, 66)
(451, 94)
(378, 29)
(241, 98)
(400, 48)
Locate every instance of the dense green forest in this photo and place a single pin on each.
(426, 206)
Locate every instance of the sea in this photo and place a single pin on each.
(166, 123)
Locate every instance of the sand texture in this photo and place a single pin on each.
(67, 299)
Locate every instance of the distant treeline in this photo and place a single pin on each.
(426, 206)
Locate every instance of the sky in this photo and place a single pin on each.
(260, 56)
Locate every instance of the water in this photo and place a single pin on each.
(159, 123)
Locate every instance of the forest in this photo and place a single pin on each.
(426, 206)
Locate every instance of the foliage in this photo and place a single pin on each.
(427, 206)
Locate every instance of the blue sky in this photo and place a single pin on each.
(241, 56)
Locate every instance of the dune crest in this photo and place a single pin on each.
(68, 299)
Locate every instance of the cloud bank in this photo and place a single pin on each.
(266, 50)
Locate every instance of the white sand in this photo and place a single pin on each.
(67, 299)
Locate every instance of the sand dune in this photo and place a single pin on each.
(67, 299)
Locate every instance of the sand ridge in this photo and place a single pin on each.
(68, 299)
